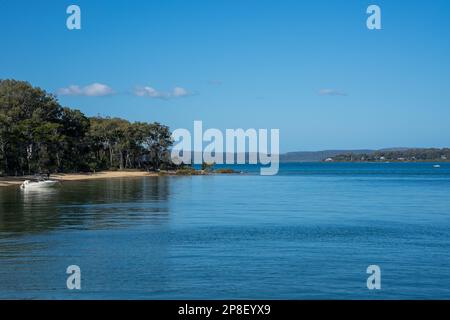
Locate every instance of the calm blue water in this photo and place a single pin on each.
(308, 233)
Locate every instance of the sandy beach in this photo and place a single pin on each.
(11, 181)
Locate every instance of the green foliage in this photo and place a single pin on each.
(38, 135)
(411, 155)
(188, 171)
(225, 171)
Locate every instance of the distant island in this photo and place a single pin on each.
(316, 156)
(401, 155)
(367, 155)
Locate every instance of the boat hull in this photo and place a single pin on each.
(38, 185)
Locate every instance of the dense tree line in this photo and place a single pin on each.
(426, 154)
(38, 135)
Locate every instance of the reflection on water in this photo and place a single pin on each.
(310, 232)
(84, 205)
(43, 231)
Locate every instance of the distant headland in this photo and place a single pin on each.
(367, 155)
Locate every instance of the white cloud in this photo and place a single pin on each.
(180, 92)
(331, 92)
(147, 91)
(92, 90)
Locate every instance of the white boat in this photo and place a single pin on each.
(28, 184)
(436, 166)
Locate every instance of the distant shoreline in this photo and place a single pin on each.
(388, 161)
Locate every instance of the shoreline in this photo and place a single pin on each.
(15, 181)
(12, 181)
(102, 175)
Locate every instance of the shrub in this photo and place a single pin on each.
(226, 171)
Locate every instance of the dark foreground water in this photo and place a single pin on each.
(309, 232)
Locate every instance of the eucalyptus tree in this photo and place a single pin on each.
(38, 135)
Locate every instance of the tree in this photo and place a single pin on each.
(158, 140)
(38, 135)
(32, 116)
(73, 154)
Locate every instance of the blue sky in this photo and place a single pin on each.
(311, 69)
